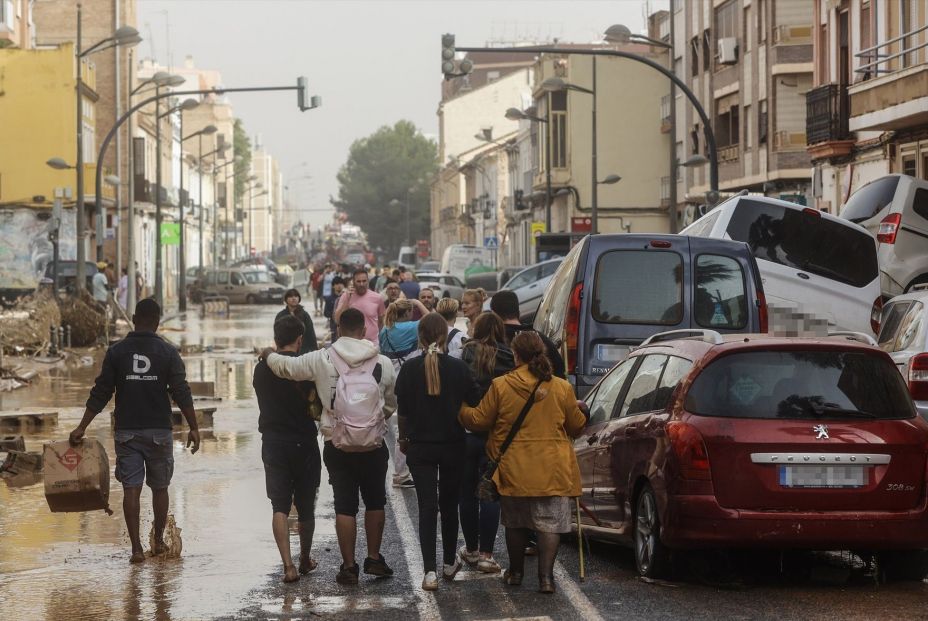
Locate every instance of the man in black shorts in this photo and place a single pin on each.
(289, 449)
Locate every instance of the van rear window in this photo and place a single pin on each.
(805, 242)
(870, 199)
(804, 384)
(638, 286)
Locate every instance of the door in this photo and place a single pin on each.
(620, 451)
(602, 402)
(222, 285)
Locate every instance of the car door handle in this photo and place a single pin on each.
(592, 439)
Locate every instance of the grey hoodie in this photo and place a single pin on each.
(317, 367)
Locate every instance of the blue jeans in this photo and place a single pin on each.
(479, 520)
(144, 455)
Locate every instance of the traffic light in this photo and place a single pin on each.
(447, 54)
(301, 85)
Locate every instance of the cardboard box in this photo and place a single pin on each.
(77, 478)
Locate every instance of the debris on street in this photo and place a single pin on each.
(24, 328)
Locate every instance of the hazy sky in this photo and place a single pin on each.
(372, 62)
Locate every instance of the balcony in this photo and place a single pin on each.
(827, 122)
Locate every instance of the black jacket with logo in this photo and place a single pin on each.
(143, 369)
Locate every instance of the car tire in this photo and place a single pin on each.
(903, 565)
(652, 558)
(250, 299)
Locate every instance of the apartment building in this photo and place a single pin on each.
(749, 63)
(17, 28)
(867, 115)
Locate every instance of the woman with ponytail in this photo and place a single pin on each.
(531, 498)
(430, 390)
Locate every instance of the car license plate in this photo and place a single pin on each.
(611, 353)
(823, 476)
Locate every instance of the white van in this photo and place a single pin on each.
(895, 209)
(811, 262)
(458, 258)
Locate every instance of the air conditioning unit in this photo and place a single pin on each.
(728, 50)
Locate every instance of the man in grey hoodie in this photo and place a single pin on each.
(350, 473)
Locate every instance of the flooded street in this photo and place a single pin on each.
(75, 565)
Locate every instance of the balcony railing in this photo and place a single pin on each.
(827, 113)
(878, 60)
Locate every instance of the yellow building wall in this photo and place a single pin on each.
(37, 107)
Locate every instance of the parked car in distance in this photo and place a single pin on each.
(756, 441)
(428, 266)
(67, 274)
(243, 285)
(811, 262)
(895, 209)
(491, 282)
(529, 285)
(904, 336)
(613, 291)
(461, 259)
(444, 285)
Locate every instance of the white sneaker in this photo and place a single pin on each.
(430, 582)
(488, 566)
(470, 558)
(450, 571)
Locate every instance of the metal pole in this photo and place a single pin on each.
(594, 195)
(130, 237)
(200, 198)
(408, 239)
(548, 196)
(215, 253)
(673, 215)
(117, 82)
(182, 281)
(56, 244)
(159, 281)
(79, 167)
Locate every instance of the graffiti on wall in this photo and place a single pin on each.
(25, 249)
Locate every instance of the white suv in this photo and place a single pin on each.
(814, 266)
(904, 335)
(895, 209)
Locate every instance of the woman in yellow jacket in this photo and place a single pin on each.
(532, 497)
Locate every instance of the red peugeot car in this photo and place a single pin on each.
(744, 441)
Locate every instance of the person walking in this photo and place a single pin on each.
(328, 275)
(338, 287)
(409, 285)
(399, 338)
(448, 309)
(505, 304)
(391, 294)
(289, 450)
(532, 498)
(363, 299)
(350, 376)
(122, 295)
(471, 306)
(315, 283)
(427, 297)
(100, 285)
(292, 307)
(143, 370)
(488, 357)
(430, 391)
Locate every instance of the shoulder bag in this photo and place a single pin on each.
(486, 489)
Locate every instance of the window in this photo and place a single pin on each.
(694, 140)
(726, 123)
(726, 18)
(805, 241)
(920, 203)
(910, 332)
(889, 326)
(761, 20)
(720, 300)
(865, 38)
(870, 200)
(694, 56)
(620, 294)
(762, 123)
(748, 29)
(603, 402)
(548, 269)
(675, 370)
(557, 126)
(703, 226)
(254, 278)
(643, 389)
(706, 49)
(525, 278)
(748, 126)
(223, 278)
(800, 384)
(908, 165)
(237, 279)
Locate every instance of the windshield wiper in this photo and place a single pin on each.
(833, 408)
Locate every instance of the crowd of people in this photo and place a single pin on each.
(468, 409)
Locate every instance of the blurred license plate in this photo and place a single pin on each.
(611, 353)
(823, 476)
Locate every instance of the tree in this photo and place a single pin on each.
(241, 147)
(383, 167)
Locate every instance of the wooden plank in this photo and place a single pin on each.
(203, 389)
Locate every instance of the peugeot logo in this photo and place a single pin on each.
(821, 432)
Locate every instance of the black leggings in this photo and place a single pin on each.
(436, 470)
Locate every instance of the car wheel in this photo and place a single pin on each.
(651, 556)
(250, 299)
(903, 565)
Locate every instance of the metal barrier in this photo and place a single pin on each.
(216, 305)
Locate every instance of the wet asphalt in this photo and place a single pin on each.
(74, 566)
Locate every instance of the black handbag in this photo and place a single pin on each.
(486, 488)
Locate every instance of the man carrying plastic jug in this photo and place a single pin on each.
(143, 370)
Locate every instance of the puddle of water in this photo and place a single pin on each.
(62, 565)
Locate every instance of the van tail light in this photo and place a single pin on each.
(918, 377)
(889, 226)
(572, 326)
(690, 450)
(876, 312)
(762, 312)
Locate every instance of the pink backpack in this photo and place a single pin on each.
(358, 407)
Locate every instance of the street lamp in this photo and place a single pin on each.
(622, 34)
(514, 114)
(125, 36)
(59, 164)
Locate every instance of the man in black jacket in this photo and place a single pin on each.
(143, 369)
(505, 304)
